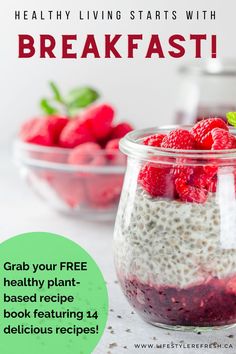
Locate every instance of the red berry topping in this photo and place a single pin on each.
(157, 181)
(87, 154)
(183, 172)
(120, 130)
(203, 177)
(222, 139)
(190, 193)
(191, 183)
(201, 129)
(178, 139)
(99, 120)
(75, 133)
(213, 185)
(154, 140)
(37, 131)
(210, 170)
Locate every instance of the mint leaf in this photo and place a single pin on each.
(47, 108)
(56, 92)
(81, 97)
(231, 118)
(77, 98)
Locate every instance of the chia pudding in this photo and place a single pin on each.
(171, 264)
(175, 235)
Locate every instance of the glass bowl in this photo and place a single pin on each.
(175, 239)
(90, 189)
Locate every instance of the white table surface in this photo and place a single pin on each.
(22, 212)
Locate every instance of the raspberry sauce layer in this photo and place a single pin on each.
(212, 303)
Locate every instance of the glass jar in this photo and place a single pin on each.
(175, 254)
(207, 89)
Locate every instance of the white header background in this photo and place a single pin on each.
(143, 91)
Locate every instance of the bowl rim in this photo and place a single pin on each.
(21, 151)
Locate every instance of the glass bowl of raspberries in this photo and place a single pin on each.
(75, 163)
(175, 233)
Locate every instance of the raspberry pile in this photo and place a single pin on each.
(91, 139)
(94, 125)
(181, 180)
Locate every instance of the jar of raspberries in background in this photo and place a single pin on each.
(207, 89)
(175, 234)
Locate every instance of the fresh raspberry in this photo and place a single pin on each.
(43, 130)
(87, 154)
(190, 193)
(69, 188)
(154, 140)
(213, 185)
(157, 180)
(120, 130)
(203, 177)
(199, 182)
(200, 177)
(75, 133)
(201, 129)
(210, 170)
(103, 191)
(38, 131)
(183, 172)
(222, 139)
(206, 142)
(59, 123)
(112, 144)
(178, 139)
(114, 156)
(98, 120)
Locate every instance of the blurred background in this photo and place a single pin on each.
(145, 92)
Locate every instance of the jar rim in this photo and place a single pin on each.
(131, 145)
